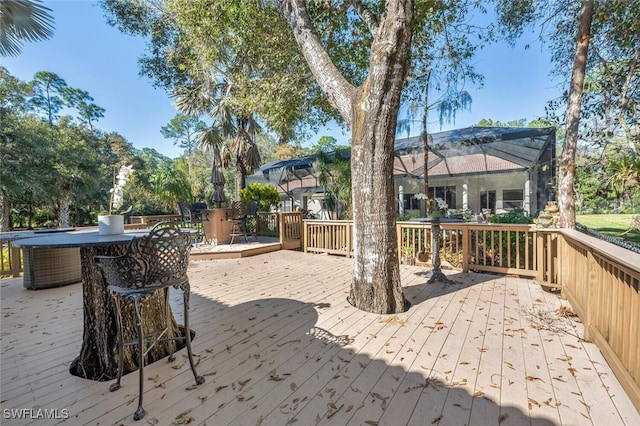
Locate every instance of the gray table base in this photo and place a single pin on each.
(436, 273)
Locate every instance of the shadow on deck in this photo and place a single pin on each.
(278, 344)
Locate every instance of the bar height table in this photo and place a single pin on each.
(98, 359)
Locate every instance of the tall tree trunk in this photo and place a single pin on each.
(371, 112)
(64, 209)
(425, 137)
(375, 285)
(566, 175)
(5, 223)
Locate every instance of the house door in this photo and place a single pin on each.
(488, 200)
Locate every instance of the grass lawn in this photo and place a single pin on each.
(610, 224)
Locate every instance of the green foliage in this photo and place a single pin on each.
(614, 225)
(503, 245)
(44, 219)
(170, 185)
(183, 130)
(266, 195)
(513, 216)
(334, 175)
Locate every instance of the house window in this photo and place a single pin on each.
(447, 193)
(512, 199)
(410, 202)
(488, 200)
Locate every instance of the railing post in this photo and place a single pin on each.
(591, 294)
(540, 258)
(15, 260)
(305, 235)
(349, 241)
(466, 248)
(281, 229)
(399, 243)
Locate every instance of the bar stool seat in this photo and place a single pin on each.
(153, 263)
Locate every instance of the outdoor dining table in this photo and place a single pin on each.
(98, 358)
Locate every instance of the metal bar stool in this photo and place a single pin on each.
(155, 262)
(238, 220)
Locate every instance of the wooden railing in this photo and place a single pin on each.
(290, 230)
(151, 220)
(10, 260)
(500, 248)
(602, 283)
(332, 237)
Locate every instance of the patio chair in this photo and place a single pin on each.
(238, 218)
(253, 213)
(191, 216)
(152, 263)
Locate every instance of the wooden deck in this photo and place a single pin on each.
(251, 246)
(278, 344)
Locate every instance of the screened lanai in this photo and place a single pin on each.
(472, 168)
(496, 168)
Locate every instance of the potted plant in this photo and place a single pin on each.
(408, 257)
(112, 222)
(423, 255)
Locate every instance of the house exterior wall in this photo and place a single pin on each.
(475, 168)
(468, 190)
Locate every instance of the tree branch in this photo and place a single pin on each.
(338, 90)
(369, 18)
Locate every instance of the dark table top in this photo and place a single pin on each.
(77, 239)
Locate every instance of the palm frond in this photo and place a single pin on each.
(23, 20)
(252, 159)
(209, 138)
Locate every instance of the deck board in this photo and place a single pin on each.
(278, 343)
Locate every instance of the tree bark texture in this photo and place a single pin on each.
(376, 285)
(98, 359)
(6, 216)
(566, 173)
(371, 112)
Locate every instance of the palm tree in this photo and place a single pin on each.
(214, 98)
(624, 174)
(23, 20)
(170, 185)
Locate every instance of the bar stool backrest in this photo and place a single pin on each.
(159, 259)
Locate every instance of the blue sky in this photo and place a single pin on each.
(93, 56)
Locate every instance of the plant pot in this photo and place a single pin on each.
(423, 256)
(111, 224)
(434, 214)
